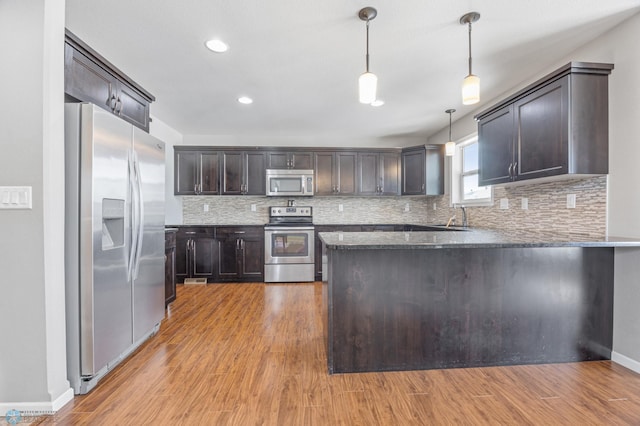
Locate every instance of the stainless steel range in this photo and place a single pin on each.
(289, 245)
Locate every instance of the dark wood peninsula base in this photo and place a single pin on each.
(409, 309)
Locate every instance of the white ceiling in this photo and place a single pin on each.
(300, 60)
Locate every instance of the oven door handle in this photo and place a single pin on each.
(288, 228)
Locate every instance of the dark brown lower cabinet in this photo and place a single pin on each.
(196, 253)
(240, 253)
(169, 266)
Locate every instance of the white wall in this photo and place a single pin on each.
(33, 354)
(173, 204)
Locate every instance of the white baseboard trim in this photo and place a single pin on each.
(34, 409)
(631, 364)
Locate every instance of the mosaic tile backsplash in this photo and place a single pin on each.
(547, 209)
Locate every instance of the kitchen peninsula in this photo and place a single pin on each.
(426, 300)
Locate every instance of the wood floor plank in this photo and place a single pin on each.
(254, 354)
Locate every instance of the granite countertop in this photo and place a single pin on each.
(470, 238)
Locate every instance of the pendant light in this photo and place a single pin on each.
(471, 83)
(450, 146)
(368, 81)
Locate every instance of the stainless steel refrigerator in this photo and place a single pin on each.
(114, 244)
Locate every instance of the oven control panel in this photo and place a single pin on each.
(297, 211)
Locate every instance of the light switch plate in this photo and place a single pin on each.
(524, 203)
(571, 201)
(504, 203)
(340, 207)
(253, 207)
(15, 197)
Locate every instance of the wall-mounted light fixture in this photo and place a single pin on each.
(368, 81)
(450, 146)
(471, 83)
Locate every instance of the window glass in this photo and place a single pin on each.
(470, 158)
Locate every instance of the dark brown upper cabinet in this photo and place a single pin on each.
(243, 173)
(558, 125)
(335, 173)
(196, 172)
(89, 77)
(300, 160)
(378, 173)
(423, 170)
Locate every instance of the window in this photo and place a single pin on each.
(464, 176)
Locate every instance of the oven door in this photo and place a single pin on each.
(288, 244)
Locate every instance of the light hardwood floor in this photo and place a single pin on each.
(253, 354)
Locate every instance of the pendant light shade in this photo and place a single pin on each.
(450, 146)
(471, 83)
(471, 90)
(368, 81)
(368, 86)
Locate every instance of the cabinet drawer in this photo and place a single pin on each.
(239, 231)
(196, 232)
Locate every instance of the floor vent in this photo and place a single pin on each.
(195, 280)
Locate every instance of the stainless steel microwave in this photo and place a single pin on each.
(289, 183)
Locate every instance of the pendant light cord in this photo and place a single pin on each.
(450, 124)
(470, 49)
(367, 45)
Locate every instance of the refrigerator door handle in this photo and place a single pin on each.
(140, 212)
(132, 245)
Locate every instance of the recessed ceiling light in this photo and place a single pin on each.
(245, 100)
(217, 46)
(377, 103)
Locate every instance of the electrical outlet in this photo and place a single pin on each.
(435, 206)
(571, 201)
(205, 207)
(340, 207)
(524, 203)
(504, 203)
(253, 208)
(407, 207)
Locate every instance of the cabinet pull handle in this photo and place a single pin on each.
(510, 170)
(422, 187)
(112, 100)
(118, 103)
(190, 232)
(515, 169)
(242, 244)
(239, 232)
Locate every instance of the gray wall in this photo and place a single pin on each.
(32, 359)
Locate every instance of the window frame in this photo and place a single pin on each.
(457, 176)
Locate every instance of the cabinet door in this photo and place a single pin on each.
(182, 257)
(543, 131)
(86, 81)
(210, 173)
(301, 160)
(169, 275)
(228, 250)
(203, 257)
(255, 174)
(232, 171)
(495, 147)
(346, 173)
(325, 172)
(369, 181)
(252, 258)
(413, 172)
(185, 172)
(277, 160)
(132, 107)
(390, 173)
